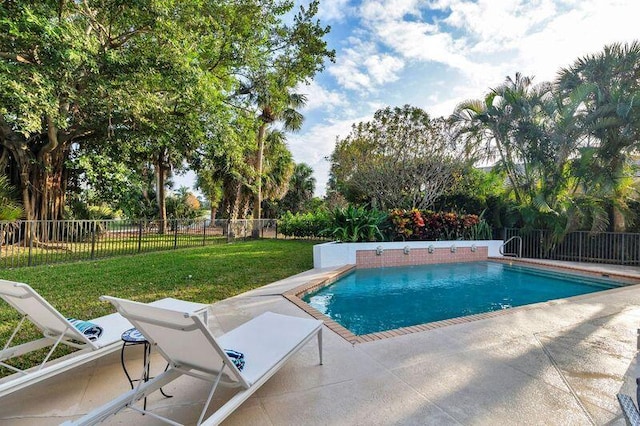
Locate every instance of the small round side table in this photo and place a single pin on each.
(133, 337)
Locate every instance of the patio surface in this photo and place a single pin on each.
(559, 363)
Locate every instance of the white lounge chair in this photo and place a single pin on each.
(186, 343)
(57, 330)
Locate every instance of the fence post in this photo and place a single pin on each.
(580, 246)
(622, 247)
(204, 233)
(276, 229)
(31, 225)
(93, 240)
(175, 234)
(140, 236)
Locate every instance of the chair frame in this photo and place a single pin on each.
(65, 333)
(70, 335)
(175, 370)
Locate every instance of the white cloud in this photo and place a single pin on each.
(576, 33)
(383, 68)
(347, 72)
(486, 40)
(361, 67)
(494, 25)
(317, 143)
(320, 98)
(443, 106)
(379, 10)
(416, 40)
(333, 10)
(472, 46)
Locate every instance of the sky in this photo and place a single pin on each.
(434, 54)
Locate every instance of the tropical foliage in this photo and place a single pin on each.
(565, 147)
(153, 86)
(357, 224)
(10, 209)
(299, 195)
(183, 205)
(360, 224)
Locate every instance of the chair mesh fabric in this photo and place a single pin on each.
(629, 410)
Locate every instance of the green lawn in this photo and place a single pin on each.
(205, 274)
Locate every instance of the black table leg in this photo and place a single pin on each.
(146, 359)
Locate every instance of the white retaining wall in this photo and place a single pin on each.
(331, 255)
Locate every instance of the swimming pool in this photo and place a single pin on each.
(372, 300)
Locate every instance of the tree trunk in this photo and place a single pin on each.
(41, 181)
(38, 165)
(257, 203)
(235, 203)
(212, 217)
(619, 223)
(246, 203)
(160, 193)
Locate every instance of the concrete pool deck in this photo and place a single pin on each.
(557, 363)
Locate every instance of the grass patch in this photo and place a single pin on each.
(205, 275)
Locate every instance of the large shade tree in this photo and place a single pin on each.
(400, 159)
(130, 74)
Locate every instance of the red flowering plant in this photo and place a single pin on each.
(400, 221)
(432, 227)
(427, 225)
(417, 223)
(470, 220)
(451, 225)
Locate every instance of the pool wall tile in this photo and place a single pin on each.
(418, 256)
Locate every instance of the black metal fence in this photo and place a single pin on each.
(580, 246)
(29, 243)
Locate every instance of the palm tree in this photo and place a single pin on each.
(211, 187)
(611, 81)
(537, 134)
(505, 124)
(276, 103)
(301, 188)
(278, 166)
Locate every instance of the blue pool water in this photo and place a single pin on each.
(371, 300)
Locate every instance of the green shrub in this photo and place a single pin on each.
(305, 225)
(480, 231)
(357, 224)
